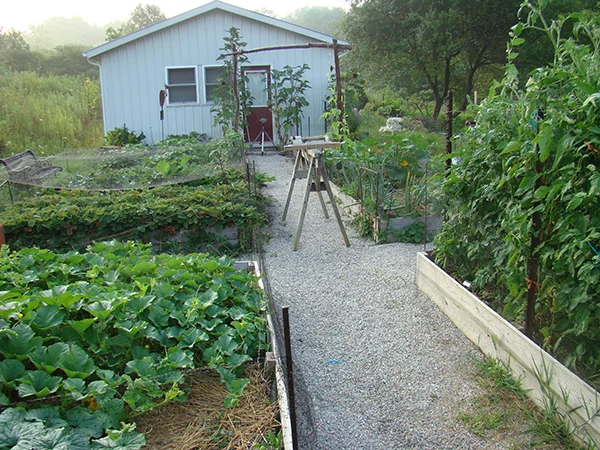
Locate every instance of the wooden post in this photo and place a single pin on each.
(292, 182)
(426, 208)
(236, 94)
(290, 375)
(532, 263)
(338, 83)
(321, 168)
(449, 114)
(2, 238)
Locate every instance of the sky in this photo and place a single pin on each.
(20, 14)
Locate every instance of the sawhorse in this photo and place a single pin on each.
(309, 164)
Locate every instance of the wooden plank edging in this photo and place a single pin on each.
(348, 203)
(546, 380)
(282, 395)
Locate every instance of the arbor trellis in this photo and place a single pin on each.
(238, 53)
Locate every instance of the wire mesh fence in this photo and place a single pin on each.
(306, 425)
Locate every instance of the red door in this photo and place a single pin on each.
(260, 116)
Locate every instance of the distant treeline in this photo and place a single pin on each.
(16, 54)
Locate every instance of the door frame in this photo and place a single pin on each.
(264, 68)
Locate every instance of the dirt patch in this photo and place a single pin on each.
(203, 422)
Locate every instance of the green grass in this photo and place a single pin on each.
(48, 113)
(502, 412)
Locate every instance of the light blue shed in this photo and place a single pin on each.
(181, 53)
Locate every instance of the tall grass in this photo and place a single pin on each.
(48, 113)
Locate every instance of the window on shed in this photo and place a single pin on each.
(182, 85)
(213, 77)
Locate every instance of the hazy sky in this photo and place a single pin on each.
(19, 14)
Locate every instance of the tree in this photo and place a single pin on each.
(66, 60)
(15, 52)
(57, 31)
(437, 44)
(141, 17)
(319, 18)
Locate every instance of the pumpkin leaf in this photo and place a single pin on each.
(38, 383)
(76, 362)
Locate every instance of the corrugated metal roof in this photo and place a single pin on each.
(202, 10)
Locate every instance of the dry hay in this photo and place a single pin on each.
(203, 422)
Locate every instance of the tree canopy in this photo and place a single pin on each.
(57, 31)
(16, 54)
(319, 18)
(437, 44)
(14, 51)
(141, 17)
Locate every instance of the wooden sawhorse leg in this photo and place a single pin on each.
(316, 172)
(292, 182)
(323, 174)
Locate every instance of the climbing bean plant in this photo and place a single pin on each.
(535, 149)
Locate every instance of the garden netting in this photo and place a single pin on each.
(174, 161)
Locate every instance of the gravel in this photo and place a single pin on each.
(383, 367)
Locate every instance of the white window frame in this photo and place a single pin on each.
(205, 100)
(196, 83)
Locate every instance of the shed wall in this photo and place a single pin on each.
(133, 75)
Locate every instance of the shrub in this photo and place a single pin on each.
(122, 136)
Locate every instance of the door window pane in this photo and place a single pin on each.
(257, 85)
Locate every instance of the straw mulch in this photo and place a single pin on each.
(203, 422)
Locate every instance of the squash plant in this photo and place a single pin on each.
(88, 340)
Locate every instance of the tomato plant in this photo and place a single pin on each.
(535, 151)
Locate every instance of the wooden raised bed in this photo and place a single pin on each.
(546, 380)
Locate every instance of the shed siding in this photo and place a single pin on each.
(133, 74)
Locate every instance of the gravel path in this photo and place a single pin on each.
(384, 367)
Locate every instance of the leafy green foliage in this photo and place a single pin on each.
(72, 219)
(287, 100)
(414, 233)
(535, 150)
(232, 98)
(47, 429)
(354, 98)
(114, 330)
(122, 136)
(376, 170)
